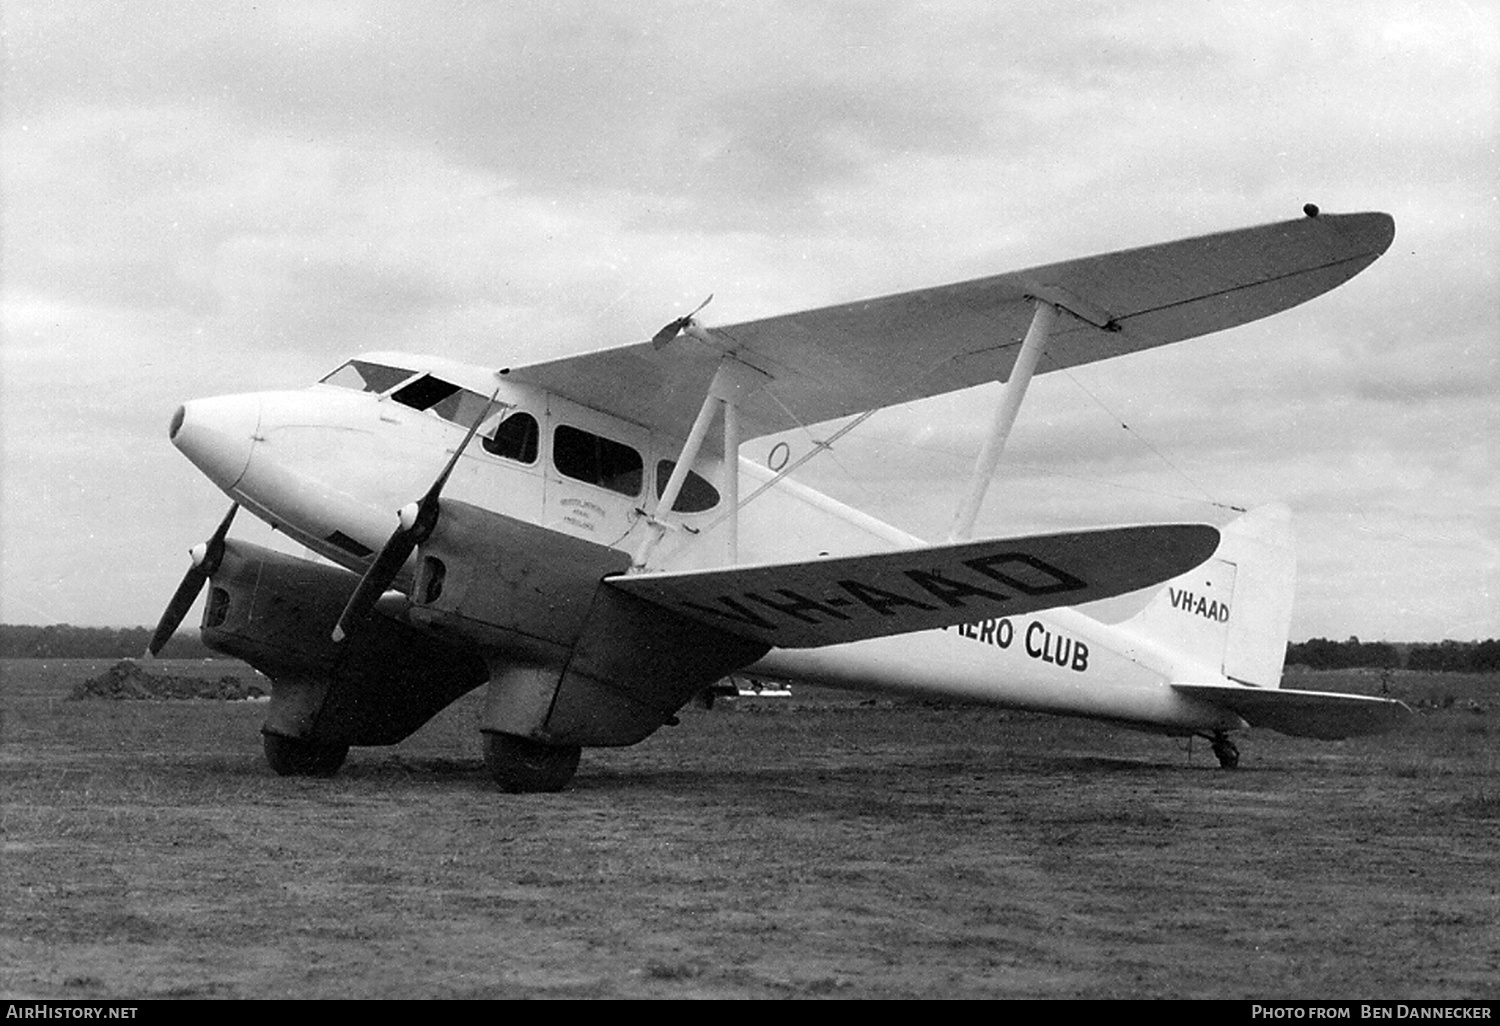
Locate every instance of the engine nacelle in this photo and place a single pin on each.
(573, 661)
(277, 612)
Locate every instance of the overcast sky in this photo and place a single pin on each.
(202, 198)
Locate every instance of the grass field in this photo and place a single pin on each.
(802, 847)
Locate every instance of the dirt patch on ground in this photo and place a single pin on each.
(128, 679)
(769, 848)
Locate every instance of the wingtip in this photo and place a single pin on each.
(1373, 231)
(1382, 230)
(1205, 541)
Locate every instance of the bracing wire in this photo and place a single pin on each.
(819, 445)
(1208, 497)
(826, 445)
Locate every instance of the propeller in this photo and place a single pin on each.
(417, 519)
(672, 330)
(206, 558)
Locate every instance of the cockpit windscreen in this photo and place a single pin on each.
(363, 376)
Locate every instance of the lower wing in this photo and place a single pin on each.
(850, 598)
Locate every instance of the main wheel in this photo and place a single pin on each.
(521, 765)
(1226, 751)
(298, 757)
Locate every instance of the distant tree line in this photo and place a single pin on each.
(64, 641)
(1452, 656)
(1464, 657)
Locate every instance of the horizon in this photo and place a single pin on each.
(193, 632)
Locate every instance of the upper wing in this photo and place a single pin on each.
(830, 601)
(878, 352)
(1321, 714)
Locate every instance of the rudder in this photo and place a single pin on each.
(1232, 614)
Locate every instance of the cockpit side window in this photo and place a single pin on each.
(463, 407)
(425, 392)
(514, 438)
(447, 400)
(697, 494)
(363, 376)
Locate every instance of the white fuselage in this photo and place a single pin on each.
(1060, 661)
(330, 466)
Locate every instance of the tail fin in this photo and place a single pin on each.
(1232, 613)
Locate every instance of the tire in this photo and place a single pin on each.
(1228, 755)
(523, 766)
(298, 757)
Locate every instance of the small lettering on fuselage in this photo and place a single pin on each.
(1209, 609)
(1037, 639)
(581, 513)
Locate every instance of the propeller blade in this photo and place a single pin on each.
(673, 329)
(376, 581)
(437, 486)
(182, 601)
(417, 522)
(202, 569)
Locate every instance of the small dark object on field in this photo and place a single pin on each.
(127, 679)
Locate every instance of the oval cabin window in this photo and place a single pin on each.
(697, 494)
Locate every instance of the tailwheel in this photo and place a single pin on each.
(299, 757)
(1228, 754)
(521, 765)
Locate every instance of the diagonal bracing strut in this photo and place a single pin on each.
(1042, 320)
(732, 382)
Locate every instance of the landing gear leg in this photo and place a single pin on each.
(521, 765)
(297, 757)
(1228, 754)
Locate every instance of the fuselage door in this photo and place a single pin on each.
(596, 473)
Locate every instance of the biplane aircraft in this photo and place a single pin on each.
(583, 537)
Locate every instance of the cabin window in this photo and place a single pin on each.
(697, 494)
(588, 457)
(514, 438)
(363, 376)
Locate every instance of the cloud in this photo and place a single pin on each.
(204, 199)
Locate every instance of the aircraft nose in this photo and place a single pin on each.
(217, 435)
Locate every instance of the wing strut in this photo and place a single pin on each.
(1005, 417)
(732, 382)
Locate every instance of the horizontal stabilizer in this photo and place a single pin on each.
(849, 598)
(1320, 714)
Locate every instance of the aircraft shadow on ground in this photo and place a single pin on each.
(869, 775)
